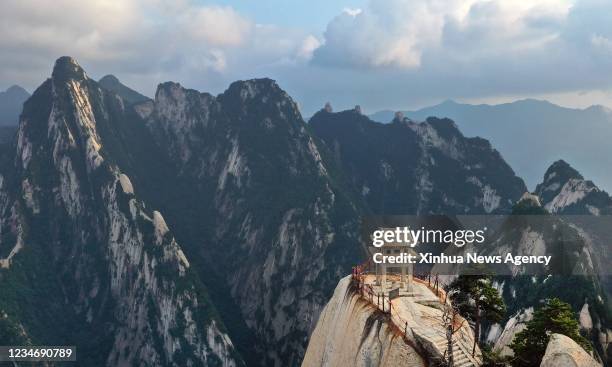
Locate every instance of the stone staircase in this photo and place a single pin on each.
(462, 354)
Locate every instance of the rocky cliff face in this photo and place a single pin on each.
(565, 191)
(84, 261)
(351, 332)
(354, 331)
(562, 351)
(575, 273)
(269, 197)
(418, 168)
(263, 202)
(260, 216)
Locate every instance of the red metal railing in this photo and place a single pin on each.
(384, 304)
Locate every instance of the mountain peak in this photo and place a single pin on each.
(564, 190)
(109, 79)
(16, 90)
(528, 204)
(448, 102)
(67, 68)
(260, 96)
(11, 102)
(563, 170)
(112, 83)
(171, 91)
(252, 88)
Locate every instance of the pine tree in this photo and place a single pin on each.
(478, 300)
(556, 317)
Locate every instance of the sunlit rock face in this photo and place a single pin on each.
(564, 352)
(565, 191)
(95, 267)
(267, 206)
(354, 331)
(351, 332)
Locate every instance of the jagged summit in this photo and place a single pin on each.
(67, 68)
(444, 126)
(563, 170)
(263, 89)
(565, 191)
(166, 86)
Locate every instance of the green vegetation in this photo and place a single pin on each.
(478, 300)
(555, 316)
(491, 358)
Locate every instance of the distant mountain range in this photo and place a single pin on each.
(532, 134)
(11, 102)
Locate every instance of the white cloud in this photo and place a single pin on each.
(143, 41)
(601, 42)
(386, 54)
(215, 25)
(352, 11)
(308, 46)
(398, 33)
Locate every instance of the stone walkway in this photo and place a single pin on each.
(420, 312)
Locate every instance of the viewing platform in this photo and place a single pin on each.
(419, 311)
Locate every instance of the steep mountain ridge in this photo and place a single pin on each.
(88, 263)
(264, 204)
(565, 191)
(418, 168)
(270, 196)
(550, 131)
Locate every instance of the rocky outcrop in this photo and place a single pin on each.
(355, 330)
(513, 326)
(565, 191)
(564, 352)
(352, 332)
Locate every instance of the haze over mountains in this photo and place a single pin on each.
(532, 134)
(11, 102)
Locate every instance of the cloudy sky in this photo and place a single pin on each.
(376, 53)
